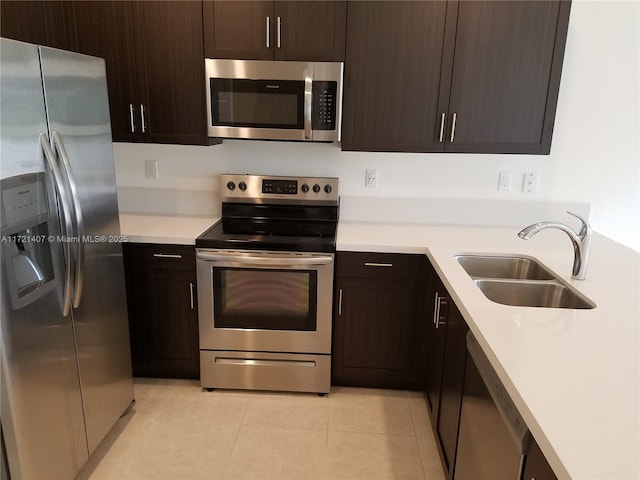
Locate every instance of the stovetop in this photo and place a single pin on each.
(275, 213)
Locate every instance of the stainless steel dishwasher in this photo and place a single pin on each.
(493, 438)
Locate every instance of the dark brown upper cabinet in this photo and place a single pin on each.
(468, 76)
(392, 75)
(280, 30)
(155, 69)
(48, 23)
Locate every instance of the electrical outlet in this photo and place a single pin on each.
(530, 182)
(504, 183)
(151, 169)
(371, 178)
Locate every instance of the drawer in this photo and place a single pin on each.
(378, 265)
(163, 255)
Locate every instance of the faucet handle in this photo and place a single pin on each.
(586, 228)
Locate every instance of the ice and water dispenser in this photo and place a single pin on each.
(26, 238)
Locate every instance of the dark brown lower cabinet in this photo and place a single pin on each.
(536, 466)
(163, 315)
(453, 368)
(377, 308)
(444, 371)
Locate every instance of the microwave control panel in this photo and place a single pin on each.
(324, 105)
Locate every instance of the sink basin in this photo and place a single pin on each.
(529, 293)
(511, 267)
(521, 281)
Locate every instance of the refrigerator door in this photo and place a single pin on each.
(75, 89)
(40, 408)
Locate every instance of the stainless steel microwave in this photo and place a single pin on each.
(274, 100)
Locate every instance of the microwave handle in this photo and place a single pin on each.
(308, 83)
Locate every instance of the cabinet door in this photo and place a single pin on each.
(436, 335)
(376, 330)
(455, 352)
(173, 332)
(376, 308)
(170, 71)
(239, 30)
(392, 76)
(105, 29)
(47, 23)
(310, 31)
(162, 303)
(506, 75)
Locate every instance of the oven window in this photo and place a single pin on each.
(257, 103)
(265, 299)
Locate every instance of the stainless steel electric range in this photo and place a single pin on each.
(265, 285)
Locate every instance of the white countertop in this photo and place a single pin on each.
(573, 374)
(168, 229)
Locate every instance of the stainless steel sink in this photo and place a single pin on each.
(514, 267)
(532, 293)
(521, 281)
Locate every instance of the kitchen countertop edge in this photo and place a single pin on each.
(164, 229)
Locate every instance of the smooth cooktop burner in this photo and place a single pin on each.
(220, 237)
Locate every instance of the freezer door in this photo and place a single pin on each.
(78, 115)
(40, 407)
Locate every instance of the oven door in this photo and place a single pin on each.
(265, 301)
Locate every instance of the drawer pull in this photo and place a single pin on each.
(373, 264)
(166, 255)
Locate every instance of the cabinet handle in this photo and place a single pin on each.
(268, 32)
(191, 294)
(133, 125)
(144, 126)
(279, 33)
(442, 119)
(167, 255)
(340, 303)
(441, 301)
(373, 264)
(453, 126)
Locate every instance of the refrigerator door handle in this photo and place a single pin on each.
(62, 195)
(79, 240)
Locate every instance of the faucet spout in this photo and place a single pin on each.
(581, 242)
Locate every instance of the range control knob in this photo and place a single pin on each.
(316, 188)
(242, 186)
(304, 188)
(231, 185)
(327, 188)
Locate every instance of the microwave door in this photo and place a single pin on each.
(260, 109)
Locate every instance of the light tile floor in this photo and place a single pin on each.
(177, 431)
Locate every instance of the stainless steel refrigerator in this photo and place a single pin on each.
(65, 355)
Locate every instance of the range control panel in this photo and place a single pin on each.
(275, 189)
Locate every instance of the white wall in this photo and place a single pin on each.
(595, 155)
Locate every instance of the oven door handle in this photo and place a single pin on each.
(249, 261)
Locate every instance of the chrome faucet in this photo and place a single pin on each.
(581, 242)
